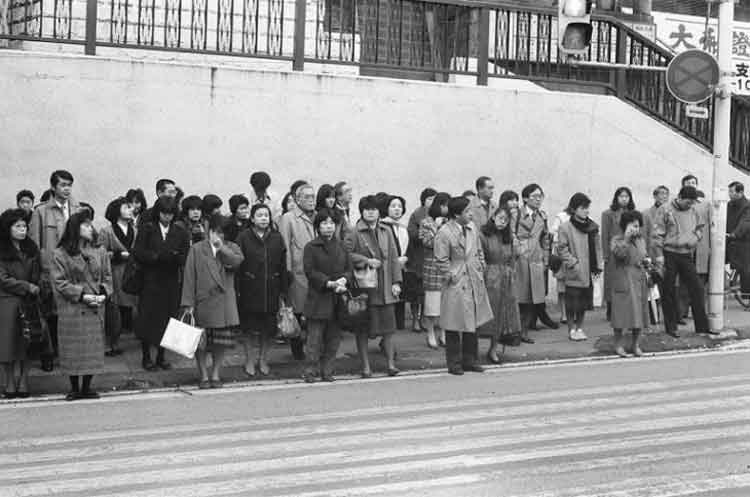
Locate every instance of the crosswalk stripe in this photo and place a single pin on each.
(541, 398)
(401, 429)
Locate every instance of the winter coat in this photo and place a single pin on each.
(677, 230)
(464, 303)
(263, 277)
(532, 233)
(80, 328)
(208, 284)
(738, 224)
(573, 248)
(297, 230)
(324, 262)
(110, 242)
(377, 243)
(415, 252)
(610, 228)
(629, 283)
(161, 262)
(18, 271)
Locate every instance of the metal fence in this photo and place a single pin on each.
(419, 39)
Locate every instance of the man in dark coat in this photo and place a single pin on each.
(164, 188)
(738, 233)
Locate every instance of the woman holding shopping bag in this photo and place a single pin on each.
(208, 294)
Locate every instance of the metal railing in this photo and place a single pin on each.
(421, 39)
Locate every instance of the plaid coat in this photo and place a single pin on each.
(432, 279)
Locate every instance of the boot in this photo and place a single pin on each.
(637, 343)
(619, 349)
(547, 321)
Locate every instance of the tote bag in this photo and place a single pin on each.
(366, 277)
(182, 336)
(287, 322)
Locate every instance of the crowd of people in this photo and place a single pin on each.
(468, 266)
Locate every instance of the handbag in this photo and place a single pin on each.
(33, 326)
(182, 336)
(112, 319)
(353, 311)
(132, 277)
(287, 323)
(366, 277)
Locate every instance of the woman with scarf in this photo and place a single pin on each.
(630, 269)
(118, 239)
(393, 217)
(580, 250)
(622, 201)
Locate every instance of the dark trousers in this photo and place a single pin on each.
(682, 265)
(323, 340)
(528, 315)
(52, 325)
(297, 345)
(400, 310)
(461, 349)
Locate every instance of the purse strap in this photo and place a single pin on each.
(190, 318)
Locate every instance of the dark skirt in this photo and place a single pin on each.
(579, 299)
(262, 324)
(221, 337)
(382, 320)
(413, 288)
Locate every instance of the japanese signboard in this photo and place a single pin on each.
(681, 32)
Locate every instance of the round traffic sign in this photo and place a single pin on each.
(692, 76)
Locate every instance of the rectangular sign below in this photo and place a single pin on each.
(696, 112)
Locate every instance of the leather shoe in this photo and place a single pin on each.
(393, 371)
(494, 359)
(673, 333)
(204, 385)
(474, 368)
(366, 375)
(73, 396)
(527, 340)
(88, 394)
(328, 378)
(456, 371)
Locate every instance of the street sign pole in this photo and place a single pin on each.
(722, 114)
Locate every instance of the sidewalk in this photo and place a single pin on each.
(125, 372)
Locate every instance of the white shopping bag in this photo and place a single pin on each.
(598, 284)
(182, 336)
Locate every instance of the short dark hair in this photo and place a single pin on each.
(88, 207)
(191, 202)
(136, 194)
(25, 194)
(384, 212)
(615, 205)
(577, 200)
(688, 193)
(295, 185)
(112, 212)
(70, 241)
(481, 182)
(368, 202)
(738, 187)
(161, 185)
(260, 180)
(322, 215)
(258, 207)
(688, 178)
(456, 206)
(7, 220)
(529, 189)
(383, 199)
(58, 175)
(46, 195)
(426, 193)
(167, 205)
(659, 189)
(630, 216)
(507, 196)
(236, 201)
(210, 203)
(285, 201)
(436, 209)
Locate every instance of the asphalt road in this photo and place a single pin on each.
(665, 426)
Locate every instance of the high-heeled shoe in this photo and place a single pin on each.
(494, 359)
(431, 341)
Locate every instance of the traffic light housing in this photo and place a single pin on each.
(574, 26)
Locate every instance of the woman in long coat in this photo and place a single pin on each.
(19, 280)
(81, 281)
(413, 283)
(373, 246)
(117, 239)
(464, 304)
(262, 280)
(630, 264)
(208, 294)
(500, 250)
(533, 236)
(621, 202)
(161, 249)
(431, 278)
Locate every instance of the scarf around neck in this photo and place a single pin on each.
(591, 229)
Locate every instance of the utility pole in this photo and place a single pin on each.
(720, 197)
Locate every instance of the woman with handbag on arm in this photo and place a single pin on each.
(375, 258)
(19, 285)
(208, 295)
(81, 280)
(262, 281)
(328, 269)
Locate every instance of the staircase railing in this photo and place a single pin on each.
(424, 39)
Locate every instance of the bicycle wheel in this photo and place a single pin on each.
(735, 288)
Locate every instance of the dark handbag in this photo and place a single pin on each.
(34, 329)
(132, 277)
(353, 310)
(112, 319)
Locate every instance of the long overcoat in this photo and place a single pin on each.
(110, 242)
(263, 276)
(208, 284)
(464, 304)
(80, 328)
(378, 244)
(325, 261)
(531, 231)
(18, 271)
(162, 261)
(610, 228)
(573, 248)
(629, 283)
(297, 230)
